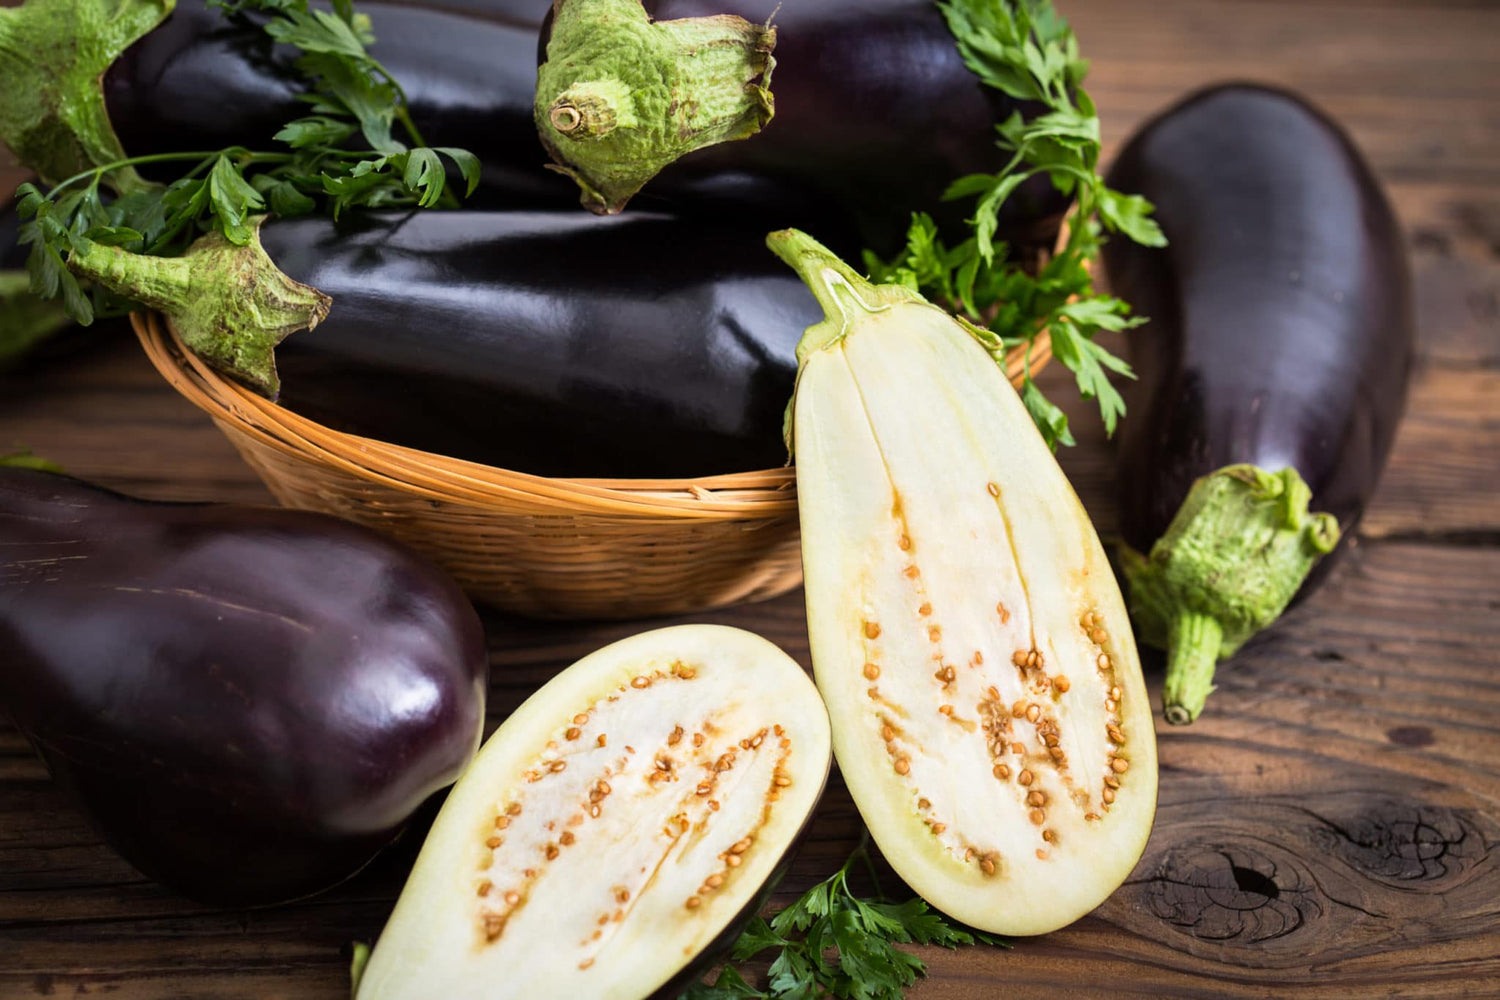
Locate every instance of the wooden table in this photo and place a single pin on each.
(1331, 827)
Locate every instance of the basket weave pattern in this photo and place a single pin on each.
(546, 548)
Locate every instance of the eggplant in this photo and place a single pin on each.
(202, 81)
(989, 713)
(559, 344)
(875, 114)
(617, 830)
(1272, 374)
(249, 703)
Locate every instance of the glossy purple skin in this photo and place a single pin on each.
(248, 702)
(554, 343)
(1281, 329)
(876, 114)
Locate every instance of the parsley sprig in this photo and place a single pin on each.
(1027, 50)
(832, 944)
(350, 96)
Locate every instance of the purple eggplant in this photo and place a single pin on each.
(249, 703)
(875, 116)
(1273, 371)
(556, 343)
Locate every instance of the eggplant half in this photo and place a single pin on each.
(1272, 374)
(616, 830)
(988, 710)
(875, 115)
(557, 344)
(248, 703)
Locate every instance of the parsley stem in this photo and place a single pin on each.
(863, 853)
(133, 161)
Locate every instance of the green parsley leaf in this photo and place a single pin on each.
(113, 236)
(1130, 214)
(424, 173)
(1025, 49)
(317, 130)
(730, 985)
(233, 200)
(468, 166)
(833, 945)
(319, 31)
(1049, 418)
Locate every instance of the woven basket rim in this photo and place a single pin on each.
(764, 493)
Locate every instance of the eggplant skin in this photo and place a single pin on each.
(559, 344)
(1281, 328)
(249, 703)
(876, 115)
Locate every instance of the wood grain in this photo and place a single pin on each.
(1330, 827)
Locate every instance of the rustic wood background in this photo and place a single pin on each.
(1329, 828)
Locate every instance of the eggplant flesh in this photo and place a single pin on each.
(249, 703)
(555, 344)
(622, 823)
(1281, 330)
(989, 714)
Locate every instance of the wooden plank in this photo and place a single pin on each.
(1328, 828)
(1340, 798)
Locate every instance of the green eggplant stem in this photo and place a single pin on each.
(1193, 643)
(1230, 562)
(619, 96)
(843, 292)
(53, 56)
(231, 305)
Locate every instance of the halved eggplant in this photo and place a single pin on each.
(967, 633)
(625, 821)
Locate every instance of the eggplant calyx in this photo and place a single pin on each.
(1231, 560)
(592, 109)
(619, 96)
(53, 55)
(25, 318)
(231, 305)
(844, 294)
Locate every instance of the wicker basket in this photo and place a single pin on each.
(547, 548)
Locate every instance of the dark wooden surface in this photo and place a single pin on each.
(1331, 828)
